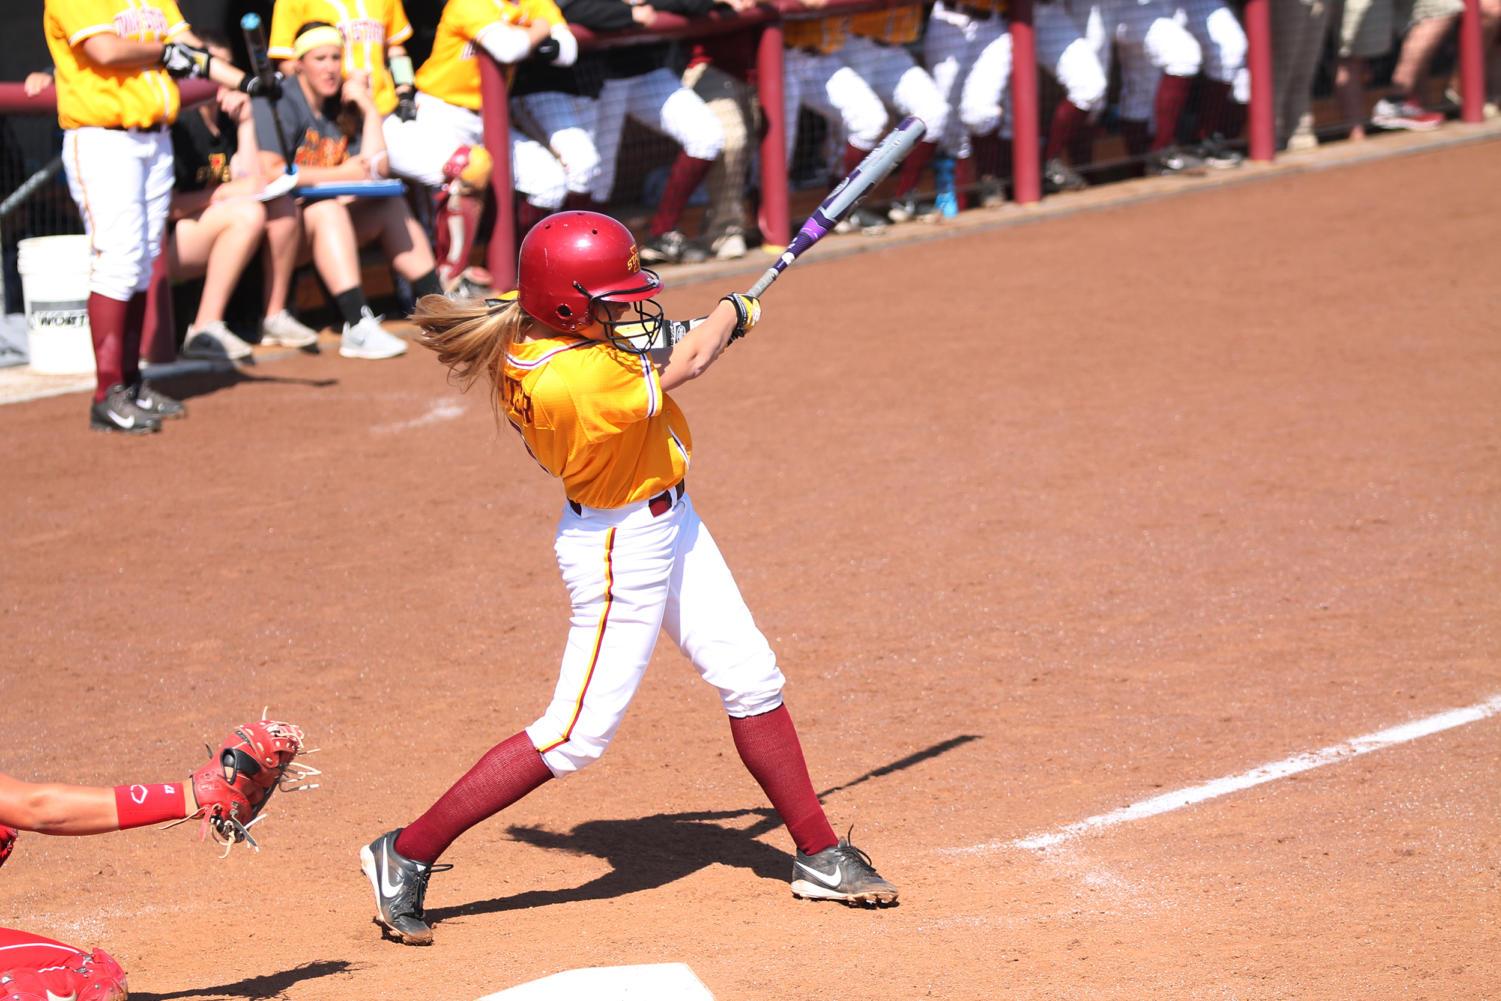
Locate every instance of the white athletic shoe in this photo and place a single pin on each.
(368, 339)
(282, 329)
(214, 342)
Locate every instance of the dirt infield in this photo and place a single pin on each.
(1041, 521)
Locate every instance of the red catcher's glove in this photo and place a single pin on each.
(232, 788)
(7, 842)
(33, 968)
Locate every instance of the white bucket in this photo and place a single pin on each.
(55, 286)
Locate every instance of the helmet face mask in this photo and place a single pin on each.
(636, 322)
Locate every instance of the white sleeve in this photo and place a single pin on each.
(506, 42)
(568, 46)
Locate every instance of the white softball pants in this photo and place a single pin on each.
(122, 182)
(975, 57)
(894, 75)
(1222, 40)
(418, 149)
(828, 86)
(632, 576)
(659, 101)
(1151, 43)
(563, 121)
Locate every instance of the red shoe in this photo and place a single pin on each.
(1407, 115)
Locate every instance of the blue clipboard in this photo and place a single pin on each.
(388, 187)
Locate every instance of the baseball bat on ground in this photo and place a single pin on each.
(867, 174)
(260, 65)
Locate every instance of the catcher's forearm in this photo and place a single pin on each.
(53, 808)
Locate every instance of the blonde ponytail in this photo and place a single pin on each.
(471, 336)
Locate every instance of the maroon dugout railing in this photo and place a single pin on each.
(767, 19)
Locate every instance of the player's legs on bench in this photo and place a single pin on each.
(401, 238)
(335, 247)
(284, 247)
(661, 102)
(216, 245)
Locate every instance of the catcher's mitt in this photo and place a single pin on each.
(33, 968)
(254, 761)
(7, 842)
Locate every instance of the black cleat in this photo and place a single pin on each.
(672, 247)
(156, 403)
(1059, 176)
(861, 221)
(400, 888)
(1174, 162)
(118, 413)
(841, 873)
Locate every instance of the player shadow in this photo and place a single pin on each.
(200, 381)
(262, 988)
(649, 852)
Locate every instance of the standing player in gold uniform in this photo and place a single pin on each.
(582, 363)
(373, 31)
(442, 146)
(116, 100)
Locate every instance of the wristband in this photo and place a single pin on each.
(401, 71)
(140, 805)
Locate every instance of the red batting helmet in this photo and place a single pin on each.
(571, 261)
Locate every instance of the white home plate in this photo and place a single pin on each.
(655, 981)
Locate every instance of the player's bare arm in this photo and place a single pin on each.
(54, 808)
(700, 347)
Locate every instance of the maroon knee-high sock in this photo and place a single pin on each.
(1235, 120)
(1081, 147)
(912, 167)
(130, 345)
(107, 319)
(964, 179)
(1214, 109)
(1172, 95)
(507, 772)
(1067, 119)
(528, 215)
(769, 747)
(1134, 133)
(852, 156)
(987, 149)
(686, 175)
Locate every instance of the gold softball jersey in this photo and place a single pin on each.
(824, 35)
(92, 95)
(451, 73)
(368, 26)
(596, 417)
(894, 25)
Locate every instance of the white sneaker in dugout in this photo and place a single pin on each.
(214, 342)
(368, 339)
(282, 329)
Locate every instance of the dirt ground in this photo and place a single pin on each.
(1042, 521)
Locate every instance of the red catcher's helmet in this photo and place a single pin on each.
(570, 261)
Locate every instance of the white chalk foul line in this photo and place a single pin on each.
(437, 410)
(1169, 801)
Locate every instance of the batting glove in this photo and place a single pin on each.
(406, 103)
(268, 87)
(747, 312)
(180, 59)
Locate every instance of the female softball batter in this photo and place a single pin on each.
(581, 361)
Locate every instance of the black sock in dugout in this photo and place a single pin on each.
(352, 304)
(427, 284)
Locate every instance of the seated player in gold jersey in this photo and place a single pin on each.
(331, 127)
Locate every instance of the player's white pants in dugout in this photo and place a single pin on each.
(632, 575)
(122, 181)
